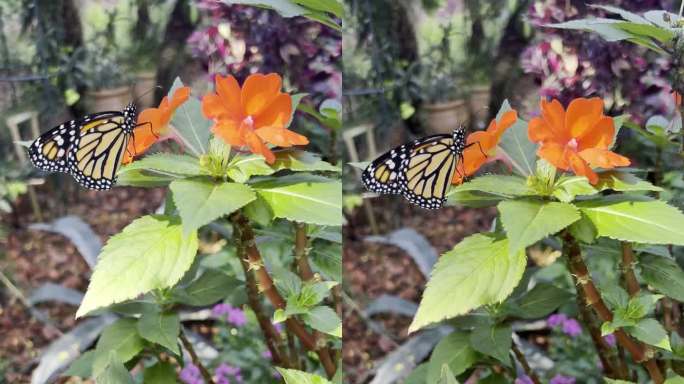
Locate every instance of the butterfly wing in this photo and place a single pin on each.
(98, 150)
(421, 171)
(49, 151)
(429, 171)
(383, 175)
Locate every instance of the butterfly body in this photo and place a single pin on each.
(90, 148)
(421, 171)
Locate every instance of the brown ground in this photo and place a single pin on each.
(31, 258)
(373, 269)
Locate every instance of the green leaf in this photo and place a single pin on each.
(212, 286)
(455, 351)
(83, 366)
(332, 6)
(324, 319)
(613, 381)
(120, 339)
(202, 201)
(166, 164)
(603, 27)
(189, 123)
(160, 373)
(418, 375)
(503, 185)
(138, 178)
(474, 199)
(583, 230)
(625, 14)
(242, 167)
(478, 271)
(642, 221)
(161, 328)
(150, 253)
(528, 221)
(114, 372)
(519, 149)
(674, 379)
(663, 274)
(651, 332)
(677, 344)
(567, 188)
(296, 160)
(258, 211)
(624, 181)
(446, 376)
(540, 301)
(493, 340)
(647, 30)
(306, 200)
(292, 376)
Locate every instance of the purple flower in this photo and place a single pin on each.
(556, 319)
(560, 379)
(236, 316)
(225, 372)
(190, 374)
(278, 327)
(266, 354)
(220, 310)
(609, 339)
(572, 328)
(524, 380)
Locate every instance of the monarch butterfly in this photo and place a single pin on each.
(421, 171)
(90, 148)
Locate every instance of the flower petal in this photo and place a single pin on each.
(212, 106)
(179, 97)
(259, 91)
(230, 131)
(281, 137)
(228, 89)
(152, 116)
(257, 146)
(582, 115)
(555, 154)
(581, 168)
(143, 138)
(553, 114)
(506, 121)
(275, 114)
(599, 136)
(598, 157)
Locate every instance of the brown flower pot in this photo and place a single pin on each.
(444, 117)
(143, 88)
(479, 103)
(113, 99)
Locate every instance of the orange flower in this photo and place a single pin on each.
(252, 116)
(153, 124)
(577, 139)
(677, 98)
(482, 146)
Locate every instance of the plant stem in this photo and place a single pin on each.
(273, 341)
(580, 274)
(525, 365)
(195, 359)
(301, 253)
(250, 253)
(628, 275)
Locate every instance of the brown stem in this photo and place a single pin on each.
(301, 253)
(614, 366)
(195, 360)
(525, 365)
(249, 251)
(580, 275)
(272, 338)
(628, 275)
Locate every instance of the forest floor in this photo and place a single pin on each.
(372, 269)
(30, 258)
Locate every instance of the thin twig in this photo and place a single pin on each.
(580, 274)
(525, 365)
(195, 359)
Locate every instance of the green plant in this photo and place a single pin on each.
(438, 72)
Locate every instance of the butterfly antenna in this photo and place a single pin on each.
(135, 101)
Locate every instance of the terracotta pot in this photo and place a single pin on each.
(444, 117)
(113, 99)
(143, 88)
(479, 104)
